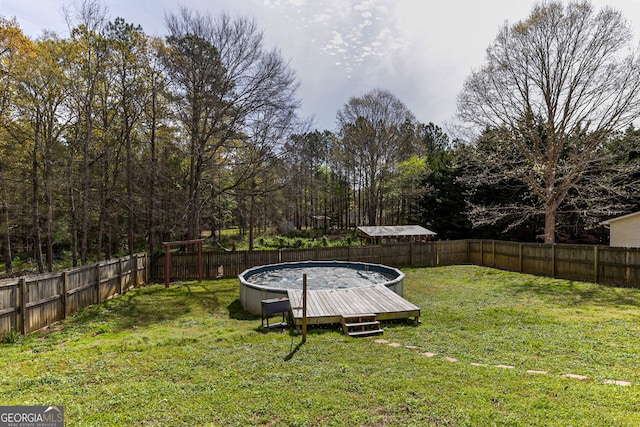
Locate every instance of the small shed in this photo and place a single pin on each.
(399, 233)
(624, 231)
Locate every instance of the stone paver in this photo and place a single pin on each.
(576, 376)
(618, 382)
(529, 371)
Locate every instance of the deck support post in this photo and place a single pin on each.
(304, 308)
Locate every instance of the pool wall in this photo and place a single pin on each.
(252, 294)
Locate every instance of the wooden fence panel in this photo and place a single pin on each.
(81, 288)
(575, 262)
(633, 267)
(475, 252)
(369, 254)
(295, 255)
(424, 255)
(31, 303)
(109, 279)
(9, 305)
(452, 252)
(43, 302)
(227, 264)
(612, 268)
(128, 267)
(537, 259)
(507, 255)
(338, 253)
(397, 255)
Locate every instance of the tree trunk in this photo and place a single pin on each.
(86, 188)
(6, 243)
(154, 175)
(48, 190)
(550, 223)
(74, 214)
(251, 213)
(36, 202)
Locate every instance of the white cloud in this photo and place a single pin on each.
(420, 50)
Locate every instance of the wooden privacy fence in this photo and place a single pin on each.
(31, 303)
(184, 266)
(598, 264)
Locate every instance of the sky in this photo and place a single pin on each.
(420, 50)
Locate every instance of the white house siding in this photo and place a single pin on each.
(625, 231)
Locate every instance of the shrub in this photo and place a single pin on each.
(11, 337)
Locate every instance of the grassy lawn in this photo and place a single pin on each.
(190, 356)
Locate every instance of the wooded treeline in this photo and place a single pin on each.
(112, 141)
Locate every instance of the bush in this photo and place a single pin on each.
(11, 337)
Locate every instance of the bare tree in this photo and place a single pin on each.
(231, 94)
(13, 44)
(553, 89)
(376, 132)
(88, 68)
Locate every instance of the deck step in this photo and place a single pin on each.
(366, 333)
(361, 325)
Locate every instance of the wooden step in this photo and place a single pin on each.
(366, 333)
(356, 318)
(360, 325)
(373, 323)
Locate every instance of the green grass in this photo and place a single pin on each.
(189, 355)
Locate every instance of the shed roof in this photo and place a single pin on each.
(396, 230)
(609, 221)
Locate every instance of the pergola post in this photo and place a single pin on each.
(167, 258)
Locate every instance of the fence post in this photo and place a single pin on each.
(627, 272)
(135, 270)
(553, 260)
(63, 293)
(144, 268)
(411, 254)
(24, 294)
(493, 252)
(520, 260)
(481, 252)
(98, 283)
(120, 268)
(596, 270)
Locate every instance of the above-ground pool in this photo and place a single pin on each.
(274, 280)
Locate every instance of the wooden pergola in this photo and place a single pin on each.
(167, 257)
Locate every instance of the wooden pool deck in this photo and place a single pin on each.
(328, 306)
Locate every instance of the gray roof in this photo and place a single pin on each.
(396, 230)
